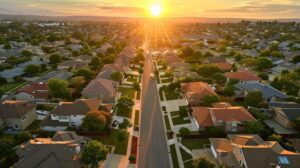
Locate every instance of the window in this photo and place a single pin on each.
(23, 118)
(283, 160)
(74, 115)
(16, 126)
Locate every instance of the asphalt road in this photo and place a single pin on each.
(153, 150)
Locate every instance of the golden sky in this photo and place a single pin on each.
(171, 8)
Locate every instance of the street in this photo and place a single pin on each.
(153, 149)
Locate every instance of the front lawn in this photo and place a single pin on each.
(127, 92)
(9, 86)
(185, 156)
(123, 113)
(174, 113)
(194, 143)
(174, 156)
(170, 95)
(180, 120)
(112, 139)
(188, 164)
(132, 80)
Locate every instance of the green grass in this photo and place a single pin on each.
(137, 117)
(169, 80)
(112, 139)
(194, 143)
(132, 80)
(174, 156)
(179, 120)
(9, 86)
(172, 95)
(34, 125)
(185, 156)
(168, 127)
(127, 92)
(188, 164)
(174, 113)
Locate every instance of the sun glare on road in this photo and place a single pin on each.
(155, 10)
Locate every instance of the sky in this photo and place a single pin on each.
(256, 9)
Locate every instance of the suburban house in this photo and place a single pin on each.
(103, 89)
(16, 115)
(72, 64)
(62, 150)
(243, 77)
(285, 113)
(269, 93)
(33, 92)
(109, 69)
(194, 92)
(69, 114)
(222, 115)
(224, 66)
(251, 151)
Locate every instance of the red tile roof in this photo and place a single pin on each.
(223, 66)
(202, 116)
(242, 75)
(38, 90)
(205, 116)
(195, 91)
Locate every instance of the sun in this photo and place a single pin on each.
(155, 10)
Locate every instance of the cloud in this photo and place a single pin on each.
(122, 9)
(261, 8)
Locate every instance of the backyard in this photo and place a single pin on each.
(127, 92)
(112, 139)
(195, 143)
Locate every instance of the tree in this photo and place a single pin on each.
(94, 152)
(184, 131)
(253, 98)
(55, 59)
(96, 120)
(296, 59)
(275, 137)
(32, 69)
(229, 90)
(23, 137)
(77, 82)
(125, 124)
(203, 163)
(208, 70)
(6, 145)
(122, 136)
(136, 86)
(58, 88)
(220, 78)
(86, 73)
(253, 127)
(116, 76)
(187, 51)
(210, 99)
(7, 46)
(96, 63)
(263, 63)
(132, 159)
(125, 104)
(26, 53)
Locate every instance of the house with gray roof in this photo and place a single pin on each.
(251, 151)
(62, 150)
(16, 115)
(285, 113)
(269, 93)
(103, 89)
(69, 114)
